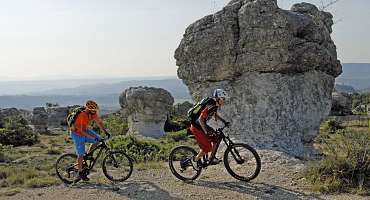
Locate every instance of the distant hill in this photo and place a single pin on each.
(345, 88)
(356, 75)
(106, 94)
(174, 86)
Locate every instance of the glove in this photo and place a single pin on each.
(227, 124)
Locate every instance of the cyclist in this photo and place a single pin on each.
(81, 133)
(205, 135)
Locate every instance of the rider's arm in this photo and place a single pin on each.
(100, 124)
(217, 116)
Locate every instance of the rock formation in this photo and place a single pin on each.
(40, 120)
(147, 109)
(277, 65)
(341, 104)
(57, 116)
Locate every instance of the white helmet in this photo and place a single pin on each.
(220, 93)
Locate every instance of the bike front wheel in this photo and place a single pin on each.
(180, 163)
(242, 162)
(117, 166)
(66, 168)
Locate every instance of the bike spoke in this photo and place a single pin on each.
(117, 166)
(242, 162)
(181, 165)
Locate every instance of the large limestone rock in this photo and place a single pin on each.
(147, 109)
(278, 65)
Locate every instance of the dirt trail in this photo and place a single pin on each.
(280, 178)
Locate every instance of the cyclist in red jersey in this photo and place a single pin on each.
(204, 134)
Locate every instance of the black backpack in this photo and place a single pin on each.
(72, 116)
(195, 111)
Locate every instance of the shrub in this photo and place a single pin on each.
(177, 136)
(4, 150)
(346, 163)
(116, 124)
(145, 150)
(331, 126)
(15, 122)
(18, 137)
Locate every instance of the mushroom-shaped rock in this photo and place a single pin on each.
(277, 65)
(147, 109)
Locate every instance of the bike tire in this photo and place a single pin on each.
(59, 172)
(171, 161)
(234, 174)
(113, 156)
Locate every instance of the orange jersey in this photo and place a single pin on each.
(83, 121)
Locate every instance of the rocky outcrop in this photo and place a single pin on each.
(57, 116)
(147, 109)
(277, 65)
(40, 120)
(181, 109)
(341, 104)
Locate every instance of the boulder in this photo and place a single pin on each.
(40, 120)
(147, 109)
(341, 104)
(277, 65)
(57, 116)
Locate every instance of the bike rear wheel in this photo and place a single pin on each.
(180, 163)
(66, 168)
(117, 166)
(242, 162)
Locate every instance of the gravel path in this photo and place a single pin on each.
(280, 178)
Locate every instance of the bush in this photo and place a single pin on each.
(346, 163)
(116, 124)
(331, 126)
(18, 137)
(145, 150)
(14, 122)
(4, 150)
(177, 136)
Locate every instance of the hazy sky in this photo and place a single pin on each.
(48, 39)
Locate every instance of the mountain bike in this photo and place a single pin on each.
(116, 165)
(240, 160)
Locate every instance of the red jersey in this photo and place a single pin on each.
(83, 121)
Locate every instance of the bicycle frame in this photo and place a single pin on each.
(222, 137)
(101, 147)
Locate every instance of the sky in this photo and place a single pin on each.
(64, 39)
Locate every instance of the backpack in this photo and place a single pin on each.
(195, 111)
(72, 116)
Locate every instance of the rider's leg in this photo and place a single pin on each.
(79, 142)
(94, 142)
(201, 153)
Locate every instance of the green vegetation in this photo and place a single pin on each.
(147, 150)
(116, 124)
(346, 160)
(14, 131)
(360, 99)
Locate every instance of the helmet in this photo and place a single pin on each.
(220, 93)
(92, 105)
